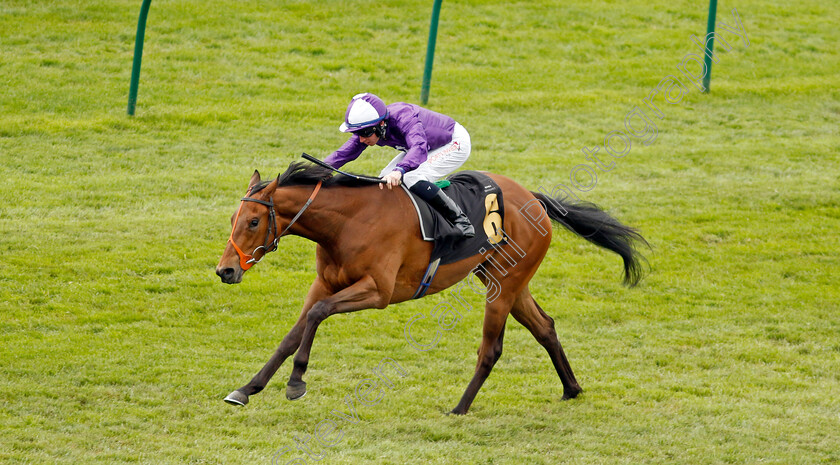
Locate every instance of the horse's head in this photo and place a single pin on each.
(253, 231)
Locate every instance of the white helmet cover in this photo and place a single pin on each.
(365, 110)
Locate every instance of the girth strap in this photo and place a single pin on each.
(427, 279)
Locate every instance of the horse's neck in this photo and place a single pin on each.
(333, 211)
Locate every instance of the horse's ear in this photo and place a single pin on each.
(255, 179)
(270, 188)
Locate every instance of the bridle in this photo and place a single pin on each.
(246, 261)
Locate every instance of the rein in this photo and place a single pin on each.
(246, 261)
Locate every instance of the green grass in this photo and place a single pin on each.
(119, 342)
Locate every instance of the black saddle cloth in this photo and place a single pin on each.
(468, 189)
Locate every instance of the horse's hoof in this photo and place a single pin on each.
(571, 394)
(237, 398)
(295, 390)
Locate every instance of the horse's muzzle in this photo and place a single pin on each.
(229, 275)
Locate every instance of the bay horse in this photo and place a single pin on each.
(370, 254)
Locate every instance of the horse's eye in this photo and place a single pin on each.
(255, 222)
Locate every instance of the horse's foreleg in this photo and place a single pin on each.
(287, 347)
(527, 311)
(495, 314)
(359, 296)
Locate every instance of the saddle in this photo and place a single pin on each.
(480, 198)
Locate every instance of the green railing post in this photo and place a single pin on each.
(138, 57)
(710, 42)
(430, 53)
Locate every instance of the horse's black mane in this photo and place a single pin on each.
(303, 173)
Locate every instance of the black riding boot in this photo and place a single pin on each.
(442, 203)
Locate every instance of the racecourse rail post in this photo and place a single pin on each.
(710, 44)
(138, 57)
(430, 53)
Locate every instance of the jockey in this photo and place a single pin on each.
(431, 146)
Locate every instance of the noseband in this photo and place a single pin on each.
(246, 261)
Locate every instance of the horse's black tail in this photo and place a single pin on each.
(598, 227)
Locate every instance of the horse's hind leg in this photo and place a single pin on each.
(489, 351)
(526, 311)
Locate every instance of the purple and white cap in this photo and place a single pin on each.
(365, 110)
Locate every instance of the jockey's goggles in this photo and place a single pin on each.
(365, 132)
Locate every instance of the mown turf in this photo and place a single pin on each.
(119, 342)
